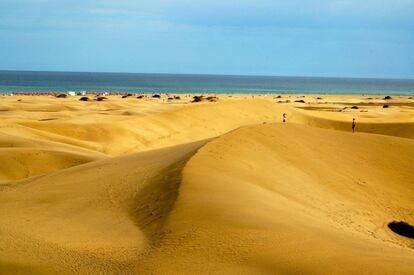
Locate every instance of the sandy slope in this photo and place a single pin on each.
(399, 124)
(97, 217)
(18, 163)
(290, 198)
(128, 186)
(113, 133)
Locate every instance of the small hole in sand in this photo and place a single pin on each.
(402, 229)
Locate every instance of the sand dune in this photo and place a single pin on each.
(290, 198)
(19, 163)
(147, 187)
(113, 134)
(400, 124)
(95, 217)
(116, 134)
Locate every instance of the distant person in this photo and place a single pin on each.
(284, 117)
(353, 125)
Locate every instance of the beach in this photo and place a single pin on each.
(183, 184)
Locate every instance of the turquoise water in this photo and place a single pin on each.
(14, 81)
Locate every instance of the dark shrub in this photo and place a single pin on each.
(354, 107)
(198, 98)
(84, 98)
(385, 106)
(62, 96)
(387, 97)
(156, 96)
(140, 96)
(101, 98)
(300, 101)
(212, 98)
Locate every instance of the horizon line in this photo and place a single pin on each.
(209, 74)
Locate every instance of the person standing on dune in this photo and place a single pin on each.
(284, 117)
(353, 125)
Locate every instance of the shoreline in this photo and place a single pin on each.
(81, 93)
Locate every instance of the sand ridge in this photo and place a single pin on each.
(331, 209)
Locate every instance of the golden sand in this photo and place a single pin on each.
(158, 186)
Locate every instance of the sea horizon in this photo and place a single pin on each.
(61, 81)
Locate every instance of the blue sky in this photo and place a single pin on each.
(298, 37)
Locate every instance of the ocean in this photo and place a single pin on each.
(28, 81)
